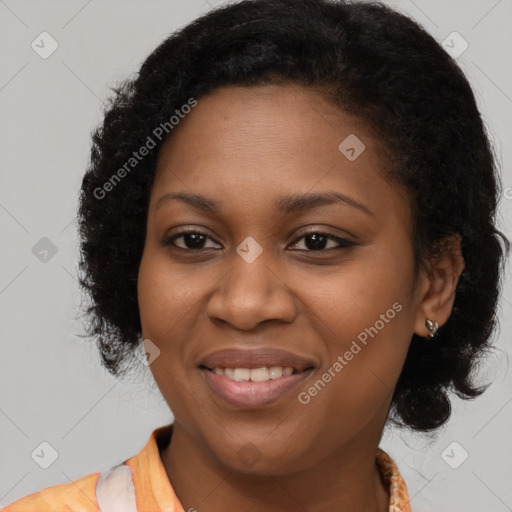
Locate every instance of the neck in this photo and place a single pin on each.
(347, 479)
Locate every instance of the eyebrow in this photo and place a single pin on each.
(286, 204)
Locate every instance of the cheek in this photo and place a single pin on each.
(364, 315)
(166, 295)
(356, 295)
(153, 301)
(382, 320)
(166, 305)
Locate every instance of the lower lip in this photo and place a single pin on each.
(249, 394)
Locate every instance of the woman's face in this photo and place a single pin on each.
(253, 279)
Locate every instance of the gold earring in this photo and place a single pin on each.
(432, 327)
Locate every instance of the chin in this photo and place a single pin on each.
(264, 459)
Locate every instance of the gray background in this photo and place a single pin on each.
(52, 388)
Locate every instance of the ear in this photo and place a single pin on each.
(438, 285)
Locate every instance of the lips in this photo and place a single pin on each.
(256, 358)
(254, 393)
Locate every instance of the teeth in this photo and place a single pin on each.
(274, 372)
(228, 372)
(259, 374)
(242, 374)
(254, 374)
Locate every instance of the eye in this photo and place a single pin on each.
(192, 240)
(317, 241)
(314, 241)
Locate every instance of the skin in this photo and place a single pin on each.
(245, 147)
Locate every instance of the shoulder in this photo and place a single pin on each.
(76, 496)
(394, 482)
(110, 489)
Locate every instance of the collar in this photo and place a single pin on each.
(154, 491)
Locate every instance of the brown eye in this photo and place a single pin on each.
(192, 240)
(317, 241)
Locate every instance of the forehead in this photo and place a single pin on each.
(246, 146)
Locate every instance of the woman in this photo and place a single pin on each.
(293, 206)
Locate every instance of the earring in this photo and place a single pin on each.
(432, 327)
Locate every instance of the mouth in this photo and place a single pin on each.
(248, 379)
(261, 374)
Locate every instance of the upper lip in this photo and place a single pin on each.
(255, 358)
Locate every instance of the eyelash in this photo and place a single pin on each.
(344, 243)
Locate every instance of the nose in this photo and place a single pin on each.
(251, 293)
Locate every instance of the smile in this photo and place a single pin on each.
(243, 389)
(254, 374)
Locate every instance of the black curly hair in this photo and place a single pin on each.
(368, 60)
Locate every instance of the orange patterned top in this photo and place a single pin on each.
(140, 484)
